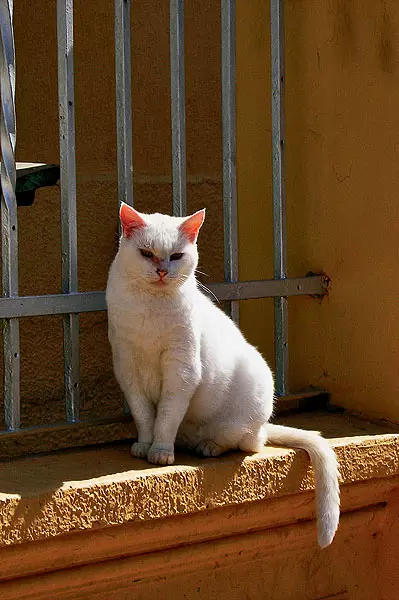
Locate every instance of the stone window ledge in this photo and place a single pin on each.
(111, 504)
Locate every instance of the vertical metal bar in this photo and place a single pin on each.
(68, 202)
(123, 102)
(123, 95)
(228, 41)
(279, 203)
(178, 107)
(9, 222)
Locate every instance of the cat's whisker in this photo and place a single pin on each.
(181, 279)
(202, 273)
(202, 286)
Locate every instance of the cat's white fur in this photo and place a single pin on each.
(187, 372)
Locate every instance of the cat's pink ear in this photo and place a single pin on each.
(191, 226)
(131, 220)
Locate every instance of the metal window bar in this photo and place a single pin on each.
(68, 202)
(9, 221)
(71, 302)
(228, 45)
(178, 108)
(279, 204)
(123, 80)
(123, 96)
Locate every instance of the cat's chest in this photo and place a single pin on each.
(151, 329)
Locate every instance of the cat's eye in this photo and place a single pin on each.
(146, 253)
(176, 256)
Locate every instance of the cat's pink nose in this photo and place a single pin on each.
(162, 273)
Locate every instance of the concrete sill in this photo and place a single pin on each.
(96, 504)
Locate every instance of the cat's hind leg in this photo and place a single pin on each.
(253, 441)
(209, 448)
(221, 438)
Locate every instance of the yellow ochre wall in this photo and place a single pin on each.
(342, 174)
(342, 139)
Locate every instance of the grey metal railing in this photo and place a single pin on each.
(66, 104)
(279, 209)
(9, 221)
(71, 302)
(124, 133)
(228, 42)
(178, 107)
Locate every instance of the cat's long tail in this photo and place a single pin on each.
(325, 467)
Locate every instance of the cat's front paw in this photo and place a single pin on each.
(161, 454)
(140, 449)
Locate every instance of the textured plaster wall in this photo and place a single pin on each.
(342, 139)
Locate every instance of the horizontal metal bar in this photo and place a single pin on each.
(269, 288)
(64, 425)
(56, 436)
(59, 304)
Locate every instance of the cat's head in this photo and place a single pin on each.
(159, 251)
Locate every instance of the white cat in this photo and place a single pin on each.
(187, 372)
